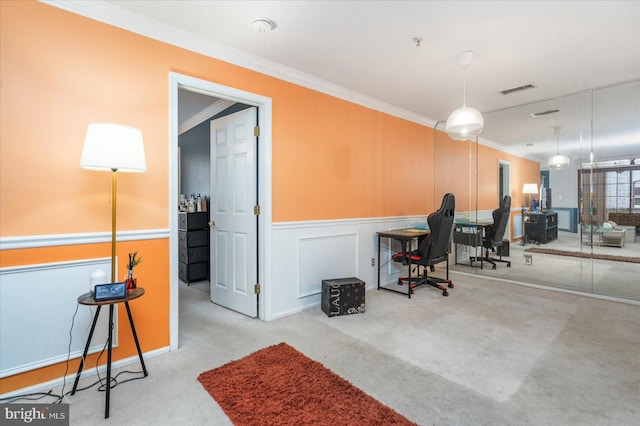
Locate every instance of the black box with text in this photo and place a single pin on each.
(342, 296)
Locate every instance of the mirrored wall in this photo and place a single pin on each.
(579, 229)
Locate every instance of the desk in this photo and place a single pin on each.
(405, 237)
(87, 299)
(473, 239)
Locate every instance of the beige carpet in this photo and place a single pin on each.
(589, 373)
(490, 350)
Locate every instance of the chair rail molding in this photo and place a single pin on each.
(54, 240)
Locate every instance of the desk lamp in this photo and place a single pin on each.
(529, 188)
(113, 148)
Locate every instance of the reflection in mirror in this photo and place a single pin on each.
(579, 230)
(455, 172)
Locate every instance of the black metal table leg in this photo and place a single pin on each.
(407, 255)
(108, 390)
(86, 349)
(135, 338)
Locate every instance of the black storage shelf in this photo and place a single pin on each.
(542, 227)
(193, 242)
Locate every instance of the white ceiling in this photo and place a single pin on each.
(561, 47)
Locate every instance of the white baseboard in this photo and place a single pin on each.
(87, 372)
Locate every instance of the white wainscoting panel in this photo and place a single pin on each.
(305, 253)
(37, 306)
(564, 219)
(339, 251)
(518, 226)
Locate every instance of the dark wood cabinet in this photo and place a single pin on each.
(542, 227)
(193, 236)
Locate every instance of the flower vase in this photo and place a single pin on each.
(131, 281)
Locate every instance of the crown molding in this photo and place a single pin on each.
(140, 24)
(215, 108)
(507, 150)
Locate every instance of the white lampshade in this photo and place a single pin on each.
(113, 147)
(559, 161)
(530, 188)
(464, 123)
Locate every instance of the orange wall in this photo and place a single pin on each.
(454, 168)
(456, 171)
(334, 160)
(522, 171)
(59, 72)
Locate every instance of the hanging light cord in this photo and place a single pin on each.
(464, 86)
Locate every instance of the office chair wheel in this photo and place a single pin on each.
(445, 293)
(450, 285)
(494, 267)
(509, 265)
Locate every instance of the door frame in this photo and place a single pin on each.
(263, 152)
(504, 186)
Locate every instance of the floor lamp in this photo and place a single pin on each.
(113, 148)
(529, 188)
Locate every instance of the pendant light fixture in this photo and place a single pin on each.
(558, 161)
(465, 122)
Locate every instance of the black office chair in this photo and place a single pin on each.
(494, 234)
(433, 249)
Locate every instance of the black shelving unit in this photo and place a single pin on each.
(542, 227)
(193, 235)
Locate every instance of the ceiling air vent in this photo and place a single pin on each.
(517, 89)
(547, 112)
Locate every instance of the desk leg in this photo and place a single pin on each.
(108, 389)
(86, 349)
(135, 337)
(405, 255)
(379, 238)
(455, 256)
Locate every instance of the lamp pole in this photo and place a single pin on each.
(113, 225)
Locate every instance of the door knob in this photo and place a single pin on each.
(212, 224)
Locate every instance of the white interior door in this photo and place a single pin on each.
(234, 223)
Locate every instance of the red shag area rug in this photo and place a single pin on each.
(629, 259)
(278, 385)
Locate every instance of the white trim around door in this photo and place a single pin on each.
(264, 104)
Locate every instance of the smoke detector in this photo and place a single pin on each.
(262, 26)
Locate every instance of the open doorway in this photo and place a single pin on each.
(263, 191)
(196, 113)
(504, 187)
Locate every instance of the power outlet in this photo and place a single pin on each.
(373, 261)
